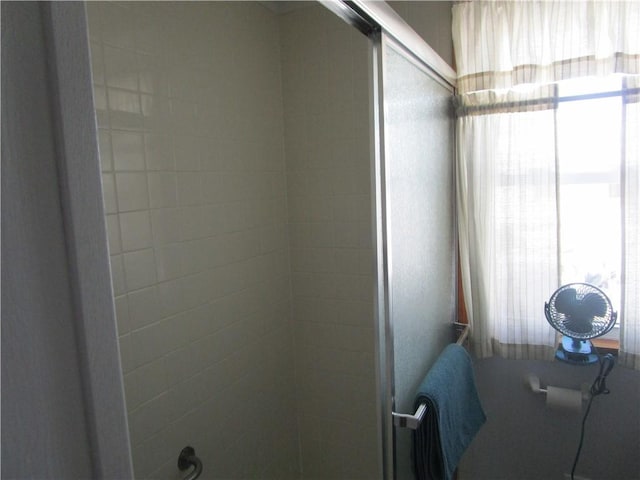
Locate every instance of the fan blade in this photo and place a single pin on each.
(579, 323)
(566, 301)
(594, 304)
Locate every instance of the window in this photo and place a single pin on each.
(548, 165)
(589, 142)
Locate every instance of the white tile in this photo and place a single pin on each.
(121, 68)
(151, 379)
(135, 230)
(179, 365)
(152, 75)
(132, 398)
(186, 152)
(94, 20)
(128, 151)
(122, 314)
(213, 219)
(126, 353)
(158, 152)
(183, 117)
(171, 299)
(347, 234)
(273, 238)
(100, 104)
(184, 396)
(150, 34)
(235, 216)
(192, 256)
(156, 114)
(109, 193)
(125, 111)
(213, 187)
(124, 102)
(347, 260)
(104, 146)
(321, 234)
(132, 191)
(118, 27)
(193, 290)
(188, 188)
(97, 63)
(346, 208)
(165, 225)
(162, 189)
(190, 222)
(365, 233)
(144, 307)
(177, 325)
(140, 269)
(148, 341)
(148, 419)
(117, 275)
(113, 234)
(168, 261)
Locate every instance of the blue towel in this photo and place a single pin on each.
(453, 417)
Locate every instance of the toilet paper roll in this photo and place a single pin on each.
(565, 398)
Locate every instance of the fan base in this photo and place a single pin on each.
(576, 352)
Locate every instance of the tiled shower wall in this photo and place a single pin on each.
(210, 232)
(189, 104)
(326, 110)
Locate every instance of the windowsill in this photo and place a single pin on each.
(606, 345)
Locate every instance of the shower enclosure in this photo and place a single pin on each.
(278, 195)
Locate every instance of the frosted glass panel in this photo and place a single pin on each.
(418, 132)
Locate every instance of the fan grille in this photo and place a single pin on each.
(599, 324)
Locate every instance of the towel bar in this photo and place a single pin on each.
(405, 420)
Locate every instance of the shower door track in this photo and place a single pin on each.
(374, 16)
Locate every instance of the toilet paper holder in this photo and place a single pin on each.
(534, 383)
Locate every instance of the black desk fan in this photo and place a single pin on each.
(580, 312)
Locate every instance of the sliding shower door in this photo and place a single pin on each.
(416, 232)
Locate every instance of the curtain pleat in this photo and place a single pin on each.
(630, 314)
(508, 230)
(502, 44)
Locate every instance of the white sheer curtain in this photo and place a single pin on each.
(502, 44)
(508, 228)
(508, 55)
(630, 315)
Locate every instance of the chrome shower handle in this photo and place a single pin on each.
(188, 459)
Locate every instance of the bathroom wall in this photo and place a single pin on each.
(189, 107)
(236, 165)
(45, 427)
(432, 21)
(524, 439)
(326, 105)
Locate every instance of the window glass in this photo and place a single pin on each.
(589, 158)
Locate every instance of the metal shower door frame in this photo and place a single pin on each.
(385, 27)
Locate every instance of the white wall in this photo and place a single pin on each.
(432, 21)
(43, 409)
(189, 105)
(524, 439)
(63, 413)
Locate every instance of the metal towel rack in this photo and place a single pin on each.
(188, 459)
(404, 420)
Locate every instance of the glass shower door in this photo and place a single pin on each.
(416, 232)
